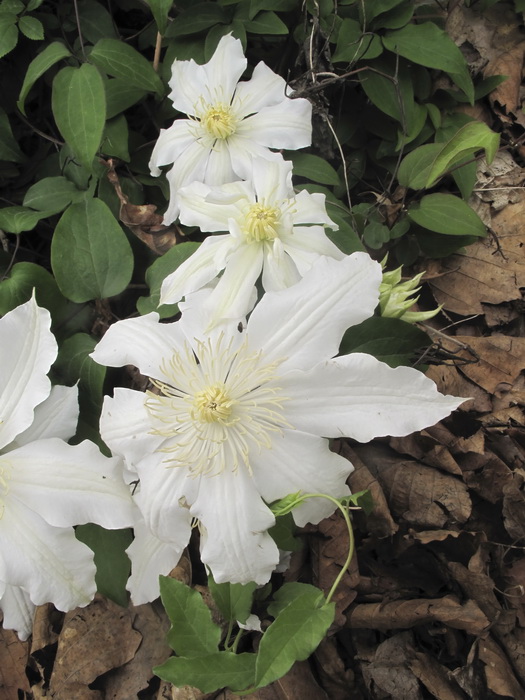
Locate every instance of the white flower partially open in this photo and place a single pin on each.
(238, 418)
(46, 485)
(272, 231)
(230, 122)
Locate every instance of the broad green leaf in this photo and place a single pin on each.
(95, 20)
(445, 213)
(79, 108)
(234, 600)
(393, 95)
(313, 168)
(277, 5)
(38, 66)
(16, 6)
(31, 27)
(415, 167)
(211, 672)
(293, 636)
(115, 141)
(376, 234)
(9, 149)
(362, 499)
(160, 10)
(388, 339)
(155, 275)
(353, 44)
(465, 176)
(470, 139)
(33, 5)
(120, 95)
(8, 32)
(430, 46)
(395, 18)
(266, 23)
(18, 219)
(282, 533)
(373, 8)
(287, 593)
(111, 560)
(52, 193)
(18, 287)
(197, 18)
(192, 632)
(121, 60)
(90, 254)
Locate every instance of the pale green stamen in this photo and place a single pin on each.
(262, 223)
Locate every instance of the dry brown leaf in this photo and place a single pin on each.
(507, 94)
(501, 360)
(450, 381)
(13, 660)
(498, 671)
(478, 586)
(94, 640)
(338, 681)
(514, 506)
(44, 623)
(486, 475)
(401, 614)
(388, 671)
(427, 449)
(488, 272)
(434, 677)
(421, 495)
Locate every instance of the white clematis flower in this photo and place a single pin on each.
(271, 230)
(230, 122)
(46, 485)
(240, 419)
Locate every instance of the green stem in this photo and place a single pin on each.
(237, 640)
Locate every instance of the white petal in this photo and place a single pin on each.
(272, 180)
(224, 69)
(188, 85)
(49, 562)
(286, 125)
(70, 484)
(18, 611)
(210, 209)
(125, 427)
(26, 354)
(150, 558)
(306, 322)
(311, 209)
(199, 320)
(279, 271)
(57, 416)
(187, 168)
(243, 149)
(360, 397)
(265, 88)
(171, 144)
(236, 545)
(219, 168)
(232, 296)
(299, 461)
(201, 267)
(142, 342)
(306, 244)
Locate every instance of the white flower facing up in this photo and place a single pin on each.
(230, 122)
(271, 230)
(46, 485)
(238, 417)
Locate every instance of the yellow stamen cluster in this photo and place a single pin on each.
(219, 121)
(212, 405)
(262, 223)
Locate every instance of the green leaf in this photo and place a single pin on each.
(266, 23)
(362, 499)
(8, 32)
(90, 254)
(113, 565)
(293, 636)
(18, 288)
(445, 213)
(211, 672)
(38, 66)
(278, 5)
(123, 61)
(376, 234)
(16, 6)
(9, 149)
(313, 168)
(234, 600)
(52, 193)
(18, 219)
(197, 18)
(31, 27)
(282, 533)
(373, 8)
(192, 633)
(95, 21)
(79, 108)
(120, 95)
(430, 46)
(465, 177)
(160, 11)
(115, 141)
(415, 167)
(470, 139)
(287, 593)
(388, 339)
(353, 44)
(155, 275)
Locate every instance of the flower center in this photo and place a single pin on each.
(219, 121)
(261, 223)
(212, 405)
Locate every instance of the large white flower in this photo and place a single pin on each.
(46, 485)
(229, 121)
(238, 417)
(271, 229)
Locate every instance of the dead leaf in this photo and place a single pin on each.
(498, 671)
(435, 677)
(507, 94)
(514, 507)
(13, 660)
(501, 360)
(388, 671)
(338, 681)
(450, 381)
